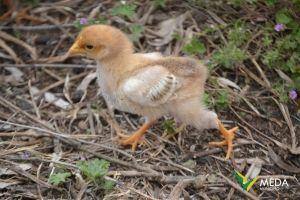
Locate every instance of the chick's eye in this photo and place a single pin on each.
(88, 46)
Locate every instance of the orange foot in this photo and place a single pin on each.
(228, 135)
(135, 138)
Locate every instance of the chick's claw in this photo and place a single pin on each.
(136, 138)
(228, 135)
(133, 140)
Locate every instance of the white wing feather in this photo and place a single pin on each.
(151, 87)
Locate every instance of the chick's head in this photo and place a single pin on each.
(101, 42)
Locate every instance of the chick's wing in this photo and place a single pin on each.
(151, 86)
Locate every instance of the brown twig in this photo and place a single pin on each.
(57, 65)
(14, 167)
(29, 48)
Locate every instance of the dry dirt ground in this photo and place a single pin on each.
(45, 127)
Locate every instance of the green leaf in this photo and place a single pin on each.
(271, 2)
(127, 10)
(207, 99)
(267, 40)
(169, 126)
(94, 170)
(238, 35)
(78, 25)
(222, 100)
(59, 178)
(283, 17)
(271, 58)
(281, 89)
(100, 20)
(108, 185)
(177, 36)
(194, 47)
(136, 32)
(229, 56)
(159, 3)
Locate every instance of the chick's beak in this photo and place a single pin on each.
(75, 50)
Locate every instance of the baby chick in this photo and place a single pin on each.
(149, 85)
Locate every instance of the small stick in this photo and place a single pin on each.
(58, 65)
(42, 91)
(10, 51)
(37, 28)
(12, 166)
(82, 190)
(179, 187)
(78, 146)
(38, 177)
(8, 37)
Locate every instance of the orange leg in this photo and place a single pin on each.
(228, 135)
(11, 8)
(135, 138)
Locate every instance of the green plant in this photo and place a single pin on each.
(282, 89)
(284, 52)
(271, 57)
(169, 126)
(229, 56)
(271, 2)
(232, 53)
(177, 36)
(238, 34)
(136, 32)
(194, 47)
(222, 100)
(283, 16)
(159, 3)
(95, 170)
(267, 40)
(126, 10)
(207, 99)
(59, 178)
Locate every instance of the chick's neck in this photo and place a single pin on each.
(120, 63)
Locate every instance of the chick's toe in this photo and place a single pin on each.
(228, 135)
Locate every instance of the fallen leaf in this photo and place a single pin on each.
(4, 184)
(167, 29)
(81, 90)
(226, 82)
(51, 98)
(66, 90)
(23, 166)
(254, 169)
(15, 75)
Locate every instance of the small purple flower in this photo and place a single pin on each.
(279, 27)
(293, 94)
(26, 155)
(82, 158)
(83, 21)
